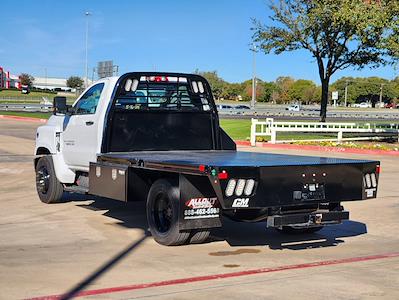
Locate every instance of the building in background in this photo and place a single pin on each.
(50, 83)
(8, 80)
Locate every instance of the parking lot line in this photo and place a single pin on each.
(223, 276)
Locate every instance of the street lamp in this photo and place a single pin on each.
(87, 14)
(253, 100)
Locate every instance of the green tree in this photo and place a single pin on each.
(217, 84)
(268, 89)
(75, 82)
(26, 79)
(283, 86)
(302, 90)
(338, 34)
(366, 89)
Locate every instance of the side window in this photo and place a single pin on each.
(87, 104)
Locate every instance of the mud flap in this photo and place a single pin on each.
(199, 206)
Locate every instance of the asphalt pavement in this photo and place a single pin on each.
(50, 249)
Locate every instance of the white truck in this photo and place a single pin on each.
(156, 137)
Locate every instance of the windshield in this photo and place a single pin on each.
(162, 93)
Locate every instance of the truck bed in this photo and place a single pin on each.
(281, 180)
(217, 158)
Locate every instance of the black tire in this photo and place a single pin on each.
(299, 230)
(163, 214)
(49, 189)
(199, 237)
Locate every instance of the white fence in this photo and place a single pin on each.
(269, 127)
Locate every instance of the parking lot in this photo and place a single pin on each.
(49, 249)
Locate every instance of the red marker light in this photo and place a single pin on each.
(223, 175)
(201, 168)
(378, 169)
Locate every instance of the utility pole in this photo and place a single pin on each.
(346, 92)
(253, 100)
(45, 78)
(87, 14)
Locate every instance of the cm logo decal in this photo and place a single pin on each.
(241, 202)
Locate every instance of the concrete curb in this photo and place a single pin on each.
(27, 119)
(321, 148)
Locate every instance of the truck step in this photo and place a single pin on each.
(76, 189)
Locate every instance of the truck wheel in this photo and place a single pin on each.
(48, 187)
(163, 214)
(296, 230)
(199, 237)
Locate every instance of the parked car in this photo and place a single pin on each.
(365, 105)
(224, 106)
(390, 105)
(242, 107)
(293, 107)
(25, 89)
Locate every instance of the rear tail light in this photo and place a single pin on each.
(373, 180)
(231, 185)
(370, 180)
(240, 187)
(249, 187)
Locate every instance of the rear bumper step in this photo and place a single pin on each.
(308, 219)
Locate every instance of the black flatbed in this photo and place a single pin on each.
(218, 158)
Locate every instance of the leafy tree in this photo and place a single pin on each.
(338, 34)
(268, 89)
(26, 79)
(302, 90)
(284, 84)
(262, 92)
(75, 82)
(217, 84)
(366, 89)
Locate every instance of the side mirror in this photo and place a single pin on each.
(60, 106)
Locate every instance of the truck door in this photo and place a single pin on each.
(80, 135)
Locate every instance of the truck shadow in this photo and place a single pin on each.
(132, 215)
(256, 234)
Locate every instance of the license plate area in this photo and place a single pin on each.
(310, 192)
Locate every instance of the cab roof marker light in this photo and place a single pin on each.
(182, 79)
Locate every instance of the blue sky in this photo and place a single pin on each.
(178, 36)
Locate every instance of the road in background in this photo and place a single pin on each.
(47, 249)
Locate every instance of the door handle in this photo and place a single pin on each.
(89, 123)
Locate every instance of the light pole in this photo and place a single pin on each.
(87, 14)
(346, 92)
(379, 104)
(253, 100)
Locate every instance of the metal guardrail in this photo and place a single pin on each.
(269, 127)
(382, 115)
(34, 107)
